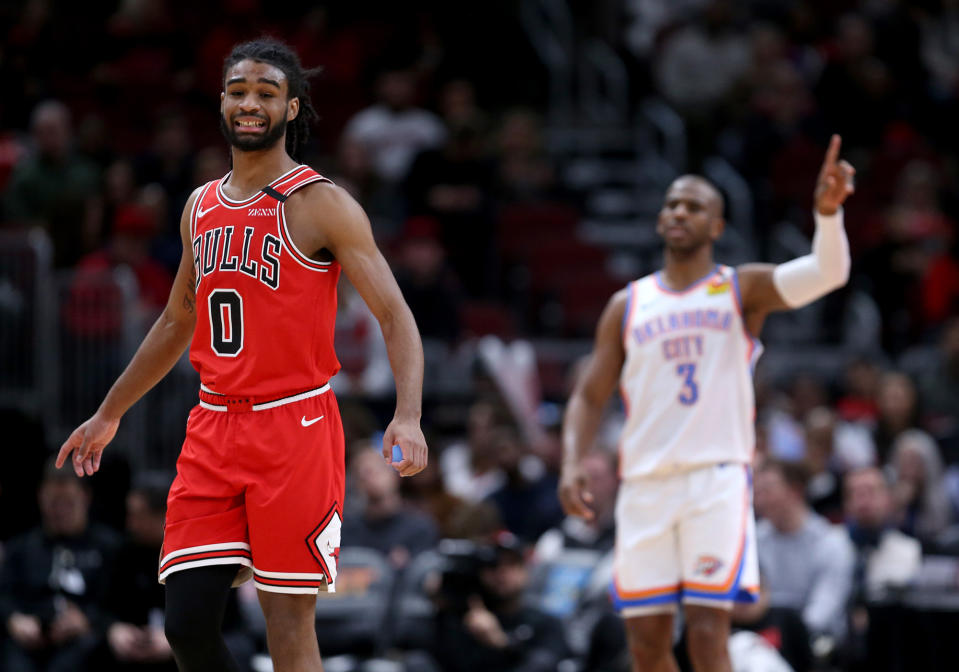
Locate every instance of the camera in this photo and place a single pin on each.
(460, 572)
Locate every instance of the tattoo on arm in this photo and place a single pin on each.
(189, 297)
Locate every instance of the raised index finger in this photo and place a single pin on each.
(73, 441)
(832, 153)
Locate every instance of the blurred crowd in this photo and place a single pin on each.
(437, 125)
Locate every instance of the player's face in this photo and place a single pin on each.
(254, 109)
(689, 217)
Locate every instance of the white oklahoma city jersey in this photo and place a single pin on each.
(687, 379)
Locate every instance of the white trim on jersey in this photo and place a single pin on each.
(193, 211)
(291, 590)
(283, 230)
(225, 546)
(266, 404)
(290, 575)
(229, 203)
(205, 562)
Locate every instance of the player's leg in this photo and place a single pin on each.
(650, 641)
(707, 633)
(195, 603)
(291, 631)
(718, 558)
(645, 588)
(294, 497)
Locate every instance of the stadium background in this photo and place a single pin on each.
(537, 141)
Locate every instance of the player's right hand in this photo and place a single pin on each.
(87, 443)
(576, 499)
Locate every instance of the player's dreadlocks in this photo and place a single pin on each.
(274, 52)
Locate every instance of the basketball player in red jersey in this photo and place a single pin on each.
(259, 487)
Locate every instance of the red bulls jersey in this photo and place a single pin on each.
(265, 311)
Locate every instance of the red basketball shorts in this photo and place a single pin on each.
(259, 485)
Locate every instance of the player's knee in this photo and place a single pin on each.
(288, 615)
(651, 643)
(706, 635)
(191, 631)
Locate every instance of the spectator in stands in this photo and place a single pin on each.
(455, 516)
(470, 468)
(597, 533)
(129, 247)
(885, 557)
(806, 564)
(832, 448)
(169, 163)
(430, 287)
(920, 497)
(855, 87)
(394, 130)
(382, 520)
(497, 630)
(524, 170)
(360, 348)
(526, 501)
(898, 411)
(133, 599)
(50, 580)
(939, 388)
(355, 172)
(699, 64)
(454, 184)
(857, 402)
(823, 491)
(53, 188)
(785, 418)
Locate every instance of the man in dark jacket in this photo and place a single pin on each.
(50, 580)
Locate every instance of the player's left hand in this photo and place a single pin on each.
(409, 437)
(835, 181)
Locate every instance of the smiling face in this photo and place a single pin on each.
(691, 215)
(254, 108)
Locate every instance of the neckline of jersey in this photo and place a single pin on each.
(688, 288)
(246, 201)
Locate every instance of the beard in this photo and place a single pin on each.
(251, 142)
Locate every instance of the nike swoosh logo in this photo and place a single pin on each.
(307, 423)
(200, 211)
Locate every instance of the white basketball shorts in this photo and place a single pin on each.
(688, 537)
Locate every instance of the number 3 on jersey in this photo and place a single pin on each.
(690, 391)
(226, 322)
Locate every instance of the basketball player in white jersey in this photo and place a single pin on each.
(682, 343)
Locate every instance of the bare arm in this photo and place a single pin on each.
(767, 287)
(346, 233)
(161, 348)
(585, 408)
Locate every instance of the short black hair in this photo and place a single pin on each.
(794, 474)
(276, 53)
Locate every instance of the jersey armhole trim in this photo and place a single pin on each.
(284, 231)
(627, 312)
(196, 206)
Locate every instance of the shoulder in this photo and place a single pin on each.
(326, 195)
(617, 304)
(833, 540)
(23, 543)
(764, 529)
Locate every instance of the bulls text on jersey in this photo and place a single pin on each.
(250, 252)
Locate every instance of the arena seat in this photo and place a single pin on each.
(352, 620)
